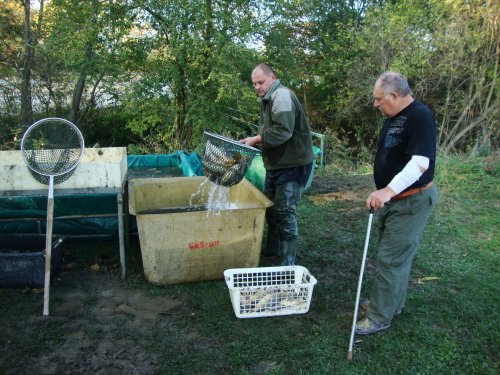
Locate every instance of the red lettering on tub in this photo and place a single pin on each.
(203, 244)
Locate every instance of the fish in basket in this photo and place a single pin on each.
(270, 291)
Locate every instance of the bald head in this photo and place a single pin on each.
(263, 78)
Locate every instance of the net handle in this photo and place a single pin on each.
(71, 167)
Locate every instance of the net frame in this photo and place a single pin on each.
(237, 145)
(46, 179)
(52, 147)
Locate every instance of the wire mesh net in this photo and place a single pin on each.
(226, 161)
(52, 147)
(45, 179)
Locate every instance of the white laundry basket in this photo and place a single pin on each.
(270, 291)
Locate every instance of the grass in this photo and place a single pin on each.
(450, 324)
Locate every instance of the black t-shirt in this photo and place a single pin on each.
(411, 132)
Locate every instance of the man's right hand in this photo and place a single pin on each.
(251, 141)
(378, 198)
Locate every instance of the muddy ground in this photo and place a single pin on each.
(88, 300)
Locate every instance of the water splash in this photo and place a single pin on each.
(217, 197)
(200, 191)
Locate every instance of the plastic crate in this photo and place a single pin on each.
(270, 291)
(22, 259)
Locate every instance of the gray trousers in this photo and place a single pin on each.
(401, 225)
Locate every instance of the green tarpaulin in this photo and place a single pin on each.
(27, 214)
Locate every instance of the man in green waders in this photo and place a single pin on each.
(286, 147)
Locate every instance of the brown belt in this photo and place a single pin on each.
(407, 193)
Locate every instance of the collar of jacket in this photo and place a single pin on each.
(269, 92)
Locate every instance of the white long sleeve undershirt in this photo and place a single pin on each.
(412, 171)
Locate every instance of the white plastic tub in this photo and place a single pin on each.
(104, 167)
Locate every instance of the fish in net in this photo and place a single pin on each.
(226, 161)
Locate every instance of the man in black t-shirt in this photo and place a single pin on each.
(403, 173)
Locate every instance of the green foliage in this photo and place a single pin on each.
(11, 37)
(423, 40)
(194, 65)
(466, 62)
(179, 67)
(10, 133)
(109, 128)
(342, 159)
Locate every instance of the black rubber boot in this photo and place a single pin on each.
(288, 252)
(272, 248)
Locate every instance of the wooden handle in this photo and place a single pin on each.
(48, 248)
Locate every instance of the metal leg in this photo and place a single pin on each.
(121, 233)
(126, 219)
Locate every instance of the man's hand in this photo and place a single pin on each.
(251, 141)
(378, 198)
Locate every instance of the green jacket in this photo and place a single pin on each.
(285, 132)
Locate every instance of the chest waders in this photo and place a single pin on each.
(282, 221)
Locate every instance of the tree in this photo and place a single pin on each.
(11, 37)
(156, 73)
(466, 77)
(11, 45)
(30, 43)
(449, 53)
(84, 42)
(194, 64)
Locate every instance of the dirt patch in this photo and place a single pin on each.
(351, 191)
(105, 322)
(100, 324)
(350, 187)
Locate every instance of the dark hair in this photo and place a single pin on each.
(394, 82)
(266, 68)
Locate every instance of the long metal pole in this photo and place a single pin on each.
(360, 282)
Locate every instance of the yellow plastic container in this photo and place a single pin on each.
(179, 245)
